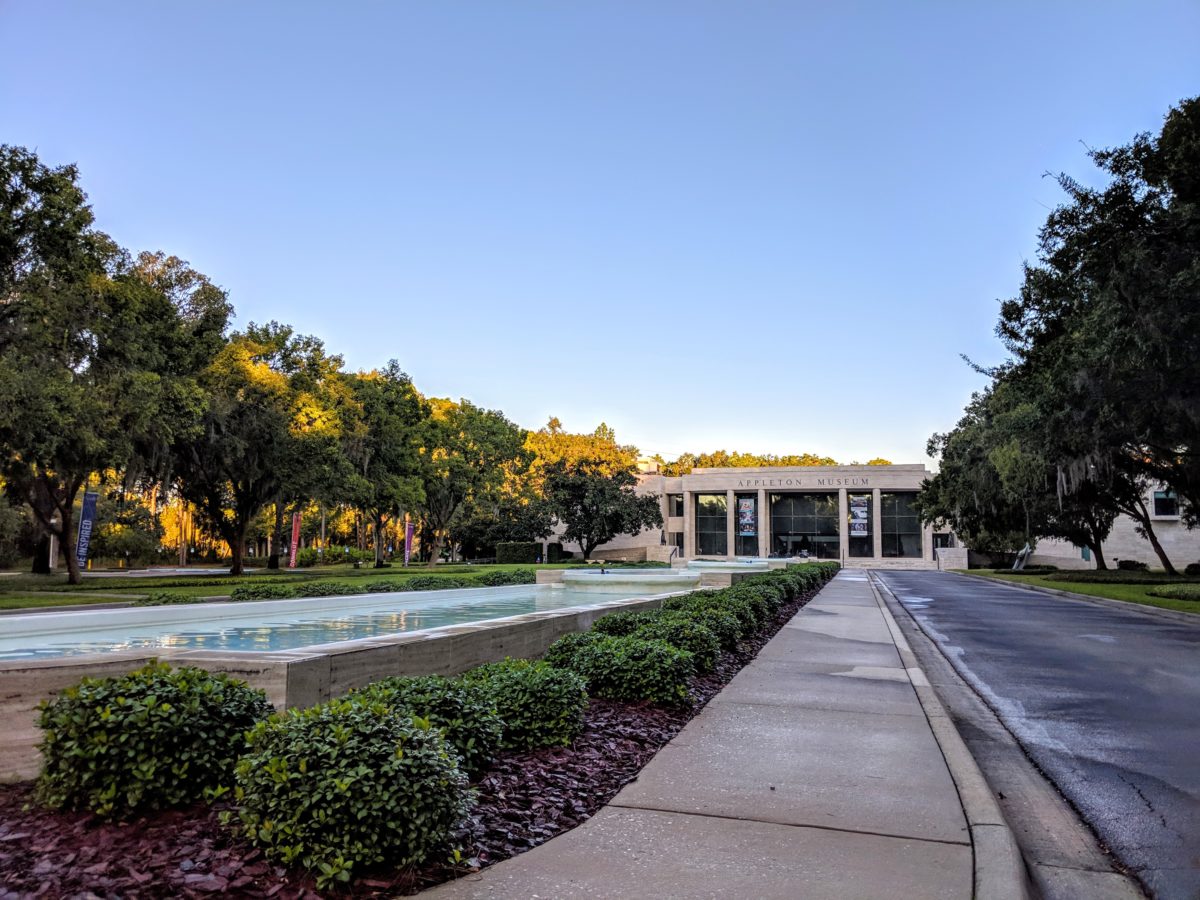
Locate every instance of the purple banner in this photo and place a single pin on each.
(87, 517)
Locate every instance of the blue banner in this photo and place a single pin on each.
(87, 516)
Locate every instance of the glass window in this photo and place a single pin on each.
(746, 526)
(675, 505)
(1165, 503)
(676, 538)
(805, 524)
(712, 514)
(859, 515)
(901, 525)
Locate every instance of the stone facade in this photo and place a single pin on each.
(1181, 545)
(765, 490)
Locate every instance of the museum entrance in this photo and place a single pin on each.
(805, 525)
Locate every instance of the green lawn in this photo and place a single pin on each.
(1130, 593)
(26, 591)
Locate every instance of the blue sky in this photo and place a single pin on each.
(771, 227)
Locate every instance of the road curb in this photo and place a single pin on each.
(1169, 614)
(999, 867)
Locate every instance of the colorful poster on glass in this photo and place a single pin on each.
(747, 521)
(860, 517)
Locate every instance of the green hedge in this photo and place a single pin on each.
(1177, 592)
(619, 624)
(155, 738)
(465, 715)
(518, 552)
(684, 634)
(498, 577)
(627, 668)
(348, 784)
(540, 705)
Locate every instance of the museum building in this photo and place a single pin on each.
(857, 515)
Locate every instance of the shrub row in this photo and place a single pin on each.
(494, 578)
(381, 775)
(651, 655)
(1177, 592)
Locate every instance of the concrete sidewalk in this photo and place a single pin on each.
(815, 773)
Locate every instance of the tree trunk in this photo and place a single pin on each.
(435, 549)
(1099, 554)
(1142, 515)
(41, 555)
(277, 538)
(378, 520)
(236, 538)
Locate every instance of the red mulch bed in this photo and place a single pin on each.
(523, 800)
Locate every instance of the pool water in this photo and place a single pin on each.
(277, 624)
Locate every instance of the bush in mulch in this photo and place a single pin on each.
(524, 799)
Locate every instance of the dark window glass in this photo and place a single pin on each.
(805, 523)
(745, 526)
(901, 526)
(1165, 503)
(677, 540)
(675, 505)
(859, 514)
(711, 516)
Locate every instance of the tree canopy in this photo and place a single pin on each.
(1101, 396)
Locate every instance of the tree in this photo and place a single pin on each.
(99, 364)
(467, 452)
(383, 447)
(268, 432)
(722, 459)
(588, 483)
(1109, 320)
(596, 507)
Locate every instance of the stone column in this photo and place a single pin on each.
(730, 522)
(876, 524)
(689, 525)
(843, 526)
(764, 524)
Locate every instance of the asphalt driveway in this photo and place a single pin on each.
(1106, 701)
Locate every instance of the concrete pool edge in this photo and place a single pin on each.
(300, 677)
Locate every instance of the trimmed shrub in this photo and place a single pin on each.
(383, 586)
(1192, 570)
(619, 624)
(152, 739)
(540, 705)
(1177, 592)
(497, 578)
(518, 551)
(328, 589)
(555, 552)
(718, 600)
(166, 598)
(684, 635)
(633, 670)
(562, 651)
(432, 583)
(463, 713)
(724, 625)
(348, 784)
(263, 592)
(1132, 565)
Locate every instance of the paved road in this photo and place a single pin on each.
(1105, 701)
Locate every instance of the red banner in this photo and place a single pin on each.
(295, 539)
